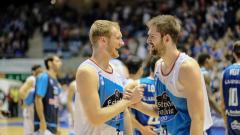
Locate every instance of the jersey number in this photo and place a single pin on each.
(233, 97)
(153, 121)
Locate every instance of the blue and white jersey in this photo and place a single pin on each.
(110, 89)
(30, 97)
(49, 89)
(231, 94)
(148, 97)
(172, 103)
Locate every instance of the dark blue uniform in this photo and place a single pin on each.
(148, 97)
(231, 94)
(49, 89)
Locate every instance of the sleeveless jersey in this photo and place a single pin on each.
(28, 110)
(172, 104)
(49, 89)
(231, 94)
(148, 97)
(110, 90)
(30, 97)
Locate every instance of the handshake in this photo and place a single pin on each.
(133, 92)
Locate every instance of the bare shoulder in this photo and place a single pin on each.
(189, 65)
(86, 77)
(73, 83)
(30, 79)
(189, 71)
(85, 71)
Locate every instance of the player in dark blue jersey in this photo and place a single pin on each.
(148, 125)
(230, 86)
(46, 98)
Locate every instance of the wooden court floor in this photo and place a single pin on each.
(14, 126)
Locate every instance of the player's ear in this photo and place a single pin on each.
(103, 39)
(166, 38)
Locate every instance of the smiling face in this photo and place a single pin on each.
(114, 43)
(163, 34)
(155, 42)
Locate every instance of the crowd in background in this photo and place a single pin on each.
(208, 26)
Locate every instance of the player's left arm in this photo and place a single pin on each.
(190, 78)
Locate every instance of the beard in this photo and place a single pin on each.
(158, 50)
(154, 52)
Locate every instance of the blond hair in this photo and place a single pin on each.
(166, 24)
(101, 28)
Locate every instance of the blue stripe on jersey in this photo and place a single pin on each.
(148, 97)
(231, 94)
(29, 99)
(110, 93)
(54, 125)
(173, 112)
(41, 83)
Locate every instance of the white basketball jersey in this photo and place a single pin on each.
(33, 78)
(29, 100)
(110, 89)
(28, 111)
(169, 89)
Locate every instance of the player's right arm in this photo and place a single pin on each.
(148, 109)
(41, 89)
(23, 91)
(87, 88)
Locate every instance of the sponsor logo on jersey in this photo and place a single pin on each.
(235, 125)
(113, 99)
(166, 109)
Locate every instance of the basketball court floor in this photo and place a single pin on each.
(14, 126)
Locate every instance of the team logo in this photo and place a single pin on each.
(235, 125)
(166, 109)
(54, 101)
(113, 99)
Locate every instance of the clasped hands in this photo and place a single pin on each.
(133, 92)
